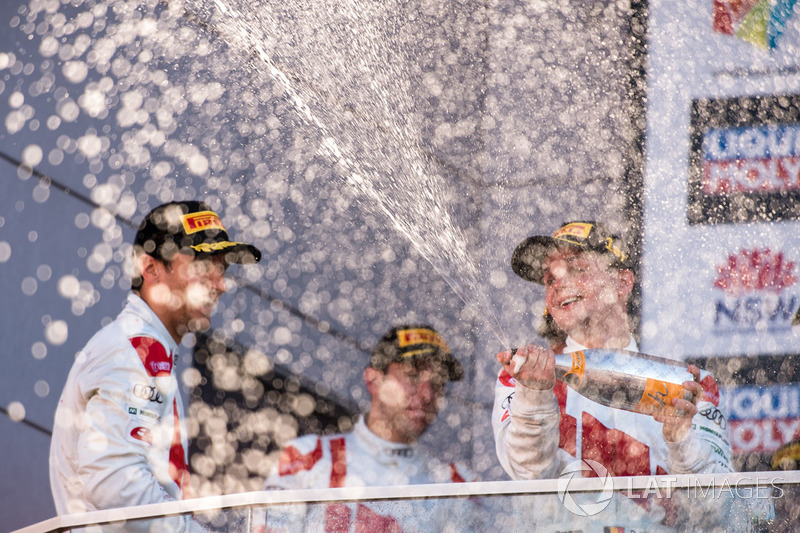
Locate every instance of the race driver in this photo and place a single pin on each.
(406, 378)
(118, 438)
(541, 425)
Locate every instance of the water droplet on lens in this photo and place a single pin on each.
(16, 411)
(32, 155)
(39, 350)
(56, 332)
(41, 388)
(29, 286)
(5, 251)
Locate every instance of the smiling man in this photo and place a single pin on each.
(541, 425)
(406, 378)
(118, 438)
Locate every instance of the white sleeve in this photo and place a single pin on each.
(706, 448)
(526, 430)
(115, 468)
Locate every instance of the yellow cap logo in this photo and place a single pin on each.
(576, 229)
(408, 337)
(209, 247)
(201, 221)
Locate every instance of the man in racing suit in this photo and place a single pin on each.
(406, 376)
(118, 438)
(541, 425)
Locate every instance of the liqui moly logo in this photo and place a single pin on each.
(753, 159)
(755, 291)
(762, 418)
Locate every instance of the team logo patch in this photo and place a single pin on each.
(506, 379)
(147, 393)
(204, 220)
(156, 360)
(570, 232)
(138, 411)
(409, 337)
(140, 433)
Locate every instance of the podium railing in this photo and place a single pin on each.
(748, 501)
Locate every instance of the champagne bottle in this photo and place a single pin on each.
(625, 380)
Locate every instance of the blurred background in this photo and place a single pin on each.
(387, 158)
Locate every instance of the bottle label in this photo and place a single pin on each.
(574, 377)
(658, 396)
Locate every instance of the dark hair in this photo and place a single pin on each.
(136, 277)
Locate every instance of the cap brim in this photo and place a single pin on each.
(234, 252)
(527, 261)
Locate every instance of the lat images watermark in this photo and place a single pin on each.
(592, 502)
(601, 500)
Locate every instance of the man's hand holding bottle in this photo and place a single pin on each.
(534, 367)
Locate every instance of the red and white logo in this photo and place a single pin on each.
(755, 270)
(142, 434)
(155, 358)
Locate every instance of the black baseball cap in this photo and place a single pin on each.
(527, 261)
(414, 343)
(192, 228)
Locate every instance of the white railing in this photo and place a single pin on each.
(744, 501)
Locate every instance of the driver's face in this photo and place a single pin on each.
(190, 287)
(580, 285)
(410, 397)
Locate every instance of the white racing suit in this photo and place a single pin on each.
(117, 438)
(362, 459)
(539, 433)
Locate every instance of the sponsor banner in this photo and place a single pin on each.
(735, 294)
(721, 219)
(761, 436)
(762, 418)
(756, 22)
(755, 291)
(745, 160)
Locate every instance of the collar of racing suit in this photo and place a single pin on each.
(139, 307)
(571, 345)
(385, 451)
